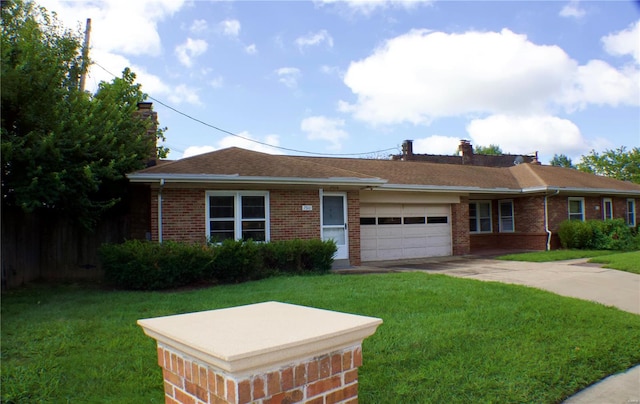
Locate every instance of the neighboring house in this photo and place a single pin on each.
(375, 209)
(465, 156)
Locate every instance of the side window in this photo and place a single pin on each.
(480, 217)
(631, 212)
(576, 208)
(505, 209)
(607, 209)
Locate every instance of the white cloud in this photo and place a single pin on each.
(288, 76)
(331, 70)
(599, 83)
(191, 49)
(233, 141)
(184, 94)
(196, 150)
(251, 49)
(436, 144)
(625, 42)
(314, 39)
(323, 128)
(126, 27)
(573, 10)
(217, 82)
(526, 134)
(421, 75)
(367, 7)
(198, 26)
(230, 27)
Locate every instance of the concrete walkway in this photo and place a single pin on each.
(573, 278)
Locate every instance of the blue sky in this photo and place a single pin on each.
(357, 78)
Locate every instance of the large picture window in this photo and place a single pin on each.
(576, 208)
(237, 216)
(505, 211)
(631, 212)
(480, 217)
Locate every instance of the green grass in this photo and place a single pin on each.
(554, 255)
(627, 261)
(443, 339)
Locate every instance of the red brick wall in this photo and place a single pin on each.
(353, 222)
(183, 214)
(460, 227)
(329, 378)
(530, 231)
(288, 220)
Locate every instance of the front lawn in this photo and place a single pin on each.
(625, 261)
(443, 339)
(629, 261)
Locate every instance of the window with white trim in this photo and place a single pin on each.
(505, 213)
(607, 209)
(576, 208)
(237, 215)
(480, 217)
(631, 212)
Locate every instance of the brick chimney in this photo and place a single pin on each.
(145, 111)
(466, 150)
(407, 150)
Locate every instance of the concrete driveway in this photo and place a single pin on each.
(574, 278)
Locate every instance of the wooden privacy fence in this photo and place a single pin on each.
(42, 246)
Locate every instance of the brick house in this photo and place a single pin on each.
(375, 209)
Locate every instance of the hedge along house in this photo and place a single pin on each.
(375, 209)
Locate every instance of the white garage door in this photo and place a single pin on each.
(393, 231)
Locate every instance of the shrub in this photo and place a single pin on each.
(300, 256)
(144, 265)
(597, 234)
(575, 234)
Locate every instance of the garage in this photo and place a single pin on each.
(402, 231)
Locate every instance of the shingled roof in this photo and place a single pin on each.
(240, 165)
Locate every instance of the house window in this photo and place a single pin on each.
(576, 208)
(607, 209)
(505, 211)
(480, 217)
(237, 216)
(631, 212)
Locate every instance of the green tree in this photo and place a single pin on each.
(491, 150)
(619, 163)
(64, 150)
(561, 160)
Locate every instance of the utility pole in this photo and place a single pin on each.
(85, 54)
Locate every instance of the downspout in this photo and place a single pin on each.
(546, 218)
(160, 210)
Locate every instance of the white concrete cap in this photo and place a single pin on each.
(243, 339)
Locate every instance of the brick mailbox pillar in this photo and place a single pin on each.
(263, 353)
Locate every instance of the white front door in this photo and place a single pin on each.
(334, 222)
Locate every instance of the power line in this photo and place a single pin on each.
(246, 138)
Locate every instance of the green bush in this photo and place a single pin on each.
(144, 265)
(299, 256)
(575, 234)
(597, 235)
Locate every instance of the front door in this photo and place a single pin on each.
(334, 222)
